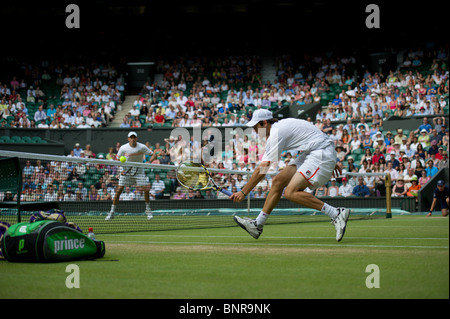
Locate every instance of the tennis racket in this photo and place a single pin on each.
(132, 171)
(197, 177)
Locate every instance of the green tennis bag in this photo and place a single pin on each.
(48, 241)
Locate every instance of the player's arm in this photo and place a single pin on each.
(257, 176)
(152, 158)
(274, 144)
(120, 153)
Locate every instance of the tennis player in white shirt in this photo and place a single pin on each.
(314, 166)
(134, 152)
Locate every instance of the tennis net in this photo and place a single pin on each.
(84, 188)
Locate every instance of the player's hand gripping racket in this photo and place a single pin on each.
(197, 177)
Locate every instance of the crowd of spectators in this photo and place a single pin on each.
(200, 92)
(225, 92)
(410, 159)
(53, 95)
(196, 92)
(411, 163)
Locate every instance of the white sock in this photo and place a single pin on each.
(147, 207)
(113, 208)
(261, 219)
(330, 211)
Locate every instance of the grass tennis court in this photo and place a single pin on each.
(291, 261)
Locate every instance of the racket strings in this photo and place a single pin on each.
(188, 178)
(191, 177)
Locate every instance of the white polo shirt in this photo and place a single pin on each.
(294, 134)
(134, 154)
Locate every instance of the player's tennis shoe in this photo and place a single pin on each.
(249, 225)
(340, 222)
(149, 214)
(109, 216)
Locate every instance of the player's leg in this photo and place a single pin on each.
(279, 182)
(295, 193)
(316, 170)
(148, 210)
(254, 226)
(143, 182)
(115, 202)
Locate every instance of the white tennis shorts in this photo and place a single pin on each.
(316, 166)
(134, 177)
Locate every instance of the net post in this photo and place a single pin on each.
(19, 188)
(388, 195)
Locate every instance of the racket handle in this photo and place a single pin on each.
(226, 192)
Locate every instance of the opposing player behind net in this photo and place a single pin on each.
(134, 152)
(314, 166)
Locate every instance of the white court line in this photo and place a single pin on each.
(277, 237)
(277, 244)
